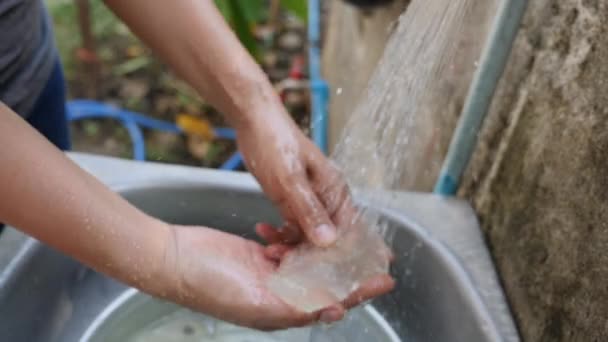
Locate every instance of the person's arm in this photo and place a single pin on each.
(194, 39)
(47, 196)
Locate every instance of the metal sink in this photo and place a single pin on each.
(447, 289)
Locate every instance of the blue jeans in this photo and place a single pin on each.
(49, 115)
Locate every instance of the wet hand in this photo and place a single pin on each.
(307, 188)
(225, 276)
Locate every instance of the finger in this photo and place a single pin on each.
(327, 180)
(284, 316)
(290, 234)
(332, 189)
(272, 235)
(283, 319)
(374, 287)
(310, 213)
(332, 314)
(268, 233)
(302, 320)
(276, 252)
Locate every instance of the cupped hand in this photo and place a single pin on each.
(225, 276)
(307, 188)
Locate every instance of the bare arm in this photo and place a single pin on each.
(47, 196)
(50, 198)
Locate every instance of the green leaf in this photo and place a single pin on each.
(91, 128)
(254, 11)
(226, 10)
(299, 8)
(213, 153)
(131, 65)
(242, 27)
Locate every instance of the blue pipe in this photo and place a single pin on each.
(87, 109)
(83, 109)
(318, 87)
(494, 59)
(233, 162)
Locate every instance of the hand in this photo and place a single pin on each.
(225, 276)
(308, 190)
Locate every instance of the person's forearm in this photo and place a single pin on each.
(194, 39)
(46, 195)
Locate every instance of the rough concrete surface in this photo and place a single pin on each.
(539, 176)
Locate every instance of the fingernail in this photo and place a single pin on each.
(325, 234)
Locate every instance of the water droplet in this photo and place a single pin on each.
(211, 327)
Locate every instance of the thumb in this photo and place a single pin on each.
(310, 214)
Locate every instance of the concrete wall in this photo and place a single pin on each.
(539, 177)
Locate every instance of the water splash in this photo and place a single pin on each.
(187, 326)
(182, 325)
(426, 68)
(313, 278)
(427, 65)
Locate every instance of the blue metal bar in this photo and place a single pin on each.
(318, 87)
(479, 99)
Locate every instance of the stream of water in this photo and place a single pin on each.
(387, 137)
(422, 77)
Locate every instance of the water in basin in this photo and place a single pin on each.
(187, 326)
(136, 317)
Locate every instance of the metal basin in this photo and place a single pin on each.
(447, 289)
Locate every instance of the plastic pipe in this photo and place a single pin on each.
(233, 162)
(494, 59)
(318, 87)
(87, 109)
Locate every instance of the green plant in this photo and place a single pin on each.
(299, 8)
(243, 15)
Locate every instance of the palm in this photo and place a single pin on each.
(226, 276)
